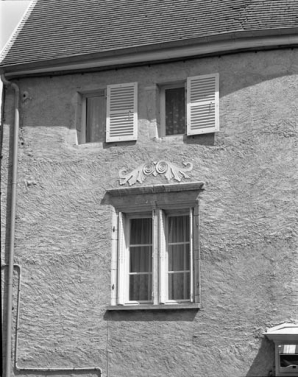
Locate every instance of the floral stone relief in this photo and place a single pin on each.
(169, 170)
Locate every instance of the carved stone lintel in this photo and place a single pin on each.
(169, 170)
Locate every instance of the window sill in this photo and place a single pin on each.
(195, 306)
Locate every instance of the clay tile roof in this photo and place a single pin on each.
(55, 29)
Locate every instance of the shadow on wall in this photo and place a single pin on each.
(263, 364)
(151, 315)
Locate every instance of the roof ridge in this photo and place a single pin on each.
(17, 30)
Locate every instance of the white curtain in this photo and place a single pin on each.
(140, 260)
(178, 257)
(95, 119)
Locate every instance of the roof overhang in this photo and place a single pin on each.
(284, 332)
(221, 44)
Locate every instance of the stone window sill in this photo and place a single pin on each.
(195, 306)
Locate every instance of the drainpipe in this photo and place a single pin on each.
(12, 223)
(11, 264)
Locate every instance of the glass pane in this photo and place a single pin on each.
(95, 119)
(140, 259)
(179, 286)
(141, 231)
(179, 258)
(287, 360)
(140, 287)
(175, 111)
(178, 229)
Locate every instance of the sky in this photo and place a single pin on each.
(11, 12)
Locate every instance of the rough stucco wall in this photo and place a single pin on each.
(248, 232)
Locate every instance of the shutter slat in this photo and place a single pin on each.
(202, 104)
(122, 117)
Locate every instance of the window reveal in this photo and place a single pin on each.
(175, 111)
(95, 119)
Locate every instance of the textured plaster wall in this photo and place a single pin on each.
(248, 232)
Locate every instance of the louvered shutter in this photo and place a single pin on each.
(202, 104)
(122, 115)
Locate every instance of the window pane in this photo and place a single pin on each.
(140, 283)
(141, 259)
(179, 286)
(141, 231)
(175, 111)
(95, 119)
(287, 360)
(179, 259)
(178, 229)
(140, 287)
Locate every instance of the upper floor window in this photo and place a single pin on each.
(108, 115)
(190, 108)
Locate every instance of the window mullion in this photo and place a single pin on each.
(191, 254)
(121, 259)
(196, 252)
(114, 261)
(155, 257)
(163, 268)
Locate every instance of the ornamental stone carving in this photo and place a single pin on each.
(169, 170)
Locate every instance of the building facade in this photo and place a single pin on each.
(153, 237)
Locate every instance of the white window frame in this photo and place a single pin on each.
(165, 271)
(159, 256)
(126, 251)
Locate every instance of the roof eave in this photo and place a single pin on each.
(198, 47)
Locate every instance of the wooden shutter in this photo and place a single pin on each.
(202, 104)
(122, 116)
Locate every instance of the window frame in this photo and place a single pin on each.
(158, 205)
(127, 230)
(165, 268)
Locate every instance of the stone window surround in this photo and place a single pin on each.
(141, 199)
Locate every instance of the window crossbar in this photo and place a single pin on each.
(141, 244)
(178, 272)
(179, 243)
